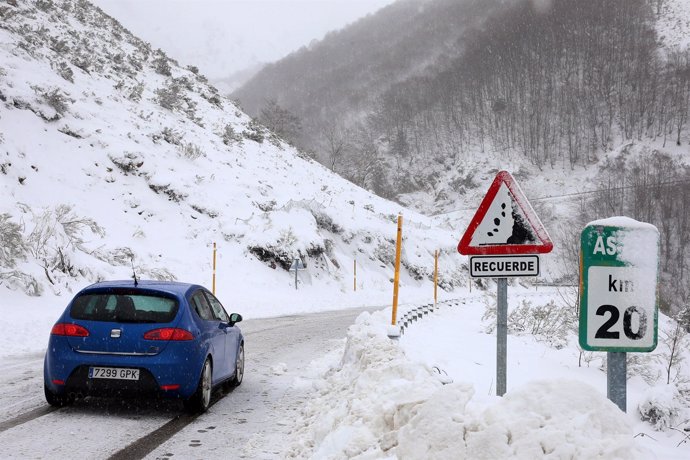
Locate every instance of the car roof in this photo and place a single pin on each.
(171, 287)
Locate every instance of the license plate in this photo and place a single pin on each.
(117, 373)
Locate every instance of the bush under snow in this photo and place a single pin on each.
(661, 406)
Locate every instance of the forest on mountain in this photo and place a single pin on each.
(649, 186)
(558, 81)
(333, 84)
(558, 85)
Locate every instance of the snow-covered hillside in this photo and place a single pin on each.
(113, 155)
(673, 23)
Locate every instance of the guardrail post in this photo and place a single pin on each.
(213, 287)
(396, 278)
(435, 276)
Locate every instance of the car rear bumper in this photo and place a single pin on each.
(66, 370)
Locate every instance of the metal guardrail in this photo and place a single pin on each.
(412, 316)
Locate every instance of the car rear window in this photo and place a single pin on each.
(124, 307)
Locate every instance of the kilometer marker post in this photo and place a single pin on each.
(619, 265)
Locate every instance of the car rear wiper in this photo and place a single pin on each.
(135, 320)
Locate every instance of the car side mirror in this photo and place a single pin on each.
(235, 318)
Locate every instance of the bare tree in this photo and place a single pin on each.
(281, 121)
(337, 144)
(672, 339)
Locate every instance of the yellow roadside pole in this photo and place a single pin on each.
(355, 282)
(213, 287)
(435, 276)
(396, 279)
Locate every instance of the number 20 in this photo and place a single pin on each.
(604, 333)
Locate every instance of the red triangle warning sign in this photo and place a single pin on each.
(505, 223)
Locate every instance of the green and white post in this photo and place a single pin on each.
(619, 266)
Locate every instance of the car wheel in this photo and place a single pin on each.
(239, 367)
(201, 398)
(56, 400)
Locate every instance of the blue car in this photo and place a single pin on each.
(119, 338)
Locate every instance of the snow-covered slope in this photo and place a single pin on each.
(113, 155)
(673, 23)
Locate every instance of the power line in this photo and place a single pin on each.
(625, 187)
(586, 192)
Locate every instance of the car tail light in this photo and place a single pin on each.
(172, 387)
(169, 333)
(69, 330)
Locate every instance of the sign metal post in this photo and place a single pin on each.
(616, 377)
(502, 336)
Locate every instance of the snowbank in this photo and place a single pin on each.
(376, 403)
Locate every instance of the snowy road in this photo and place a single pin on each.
(253, 421)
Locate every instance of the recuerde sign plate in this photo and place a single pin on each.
(504, 266)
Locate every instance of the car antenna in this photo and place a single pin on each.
(134, 272)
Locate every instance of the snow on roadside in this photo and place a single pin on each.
(366, 394)
(374, 402)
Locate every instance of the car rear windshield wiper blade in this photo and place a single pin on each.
(133, 320)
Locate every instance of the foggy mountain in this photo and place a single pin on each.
(114, 158)
(230, 83)
(402, 101)
(340, 77)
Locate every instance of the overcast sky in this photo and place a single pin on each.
(222, 37)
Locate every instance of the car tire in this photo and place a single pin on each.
(198, 403)
(239, 367)
(56, 400)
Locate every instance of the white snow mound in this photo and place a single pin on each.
(376, 403)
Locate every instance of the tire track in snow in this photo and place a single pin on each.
(26, 417)
(143, 446)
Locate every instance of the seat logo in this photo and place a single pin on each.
(115, 333)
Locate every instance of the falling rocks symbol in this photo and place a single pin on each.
(522, 233)
(508, 227)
